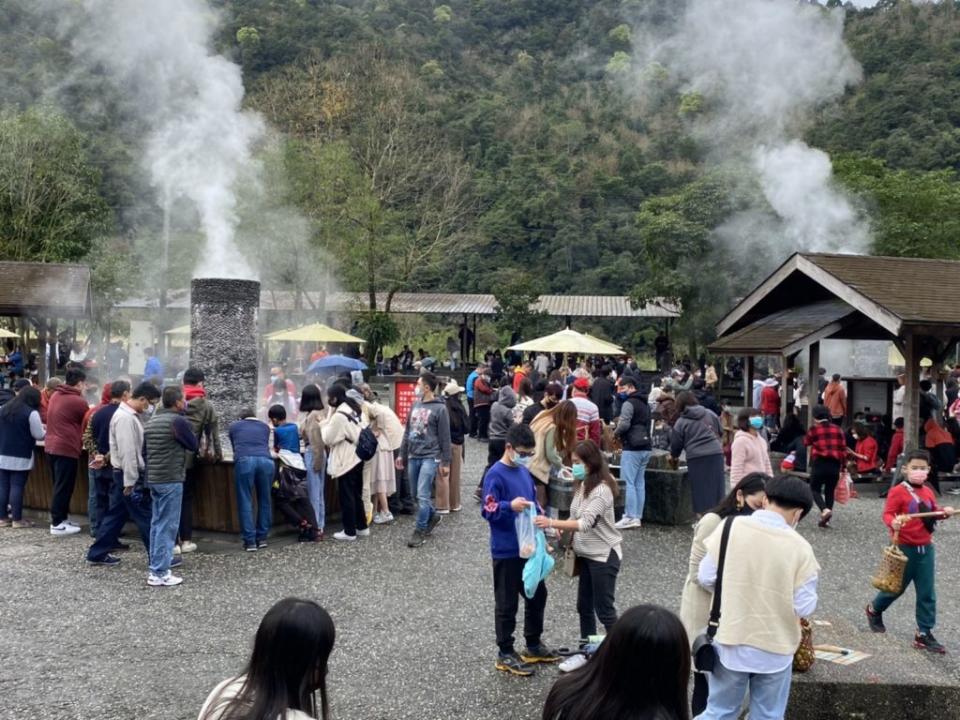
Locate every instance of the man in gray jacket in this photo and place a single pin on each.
(424, 452)
(168, 440)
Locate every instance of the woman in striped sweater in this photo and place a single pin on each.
(596, 541)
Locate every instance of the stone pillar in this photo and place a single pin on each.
(223, 344)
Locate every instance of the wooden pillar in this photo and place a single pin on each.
(42, 370)
(813, 378)
(785, 389)
(748, 381)
(52, 339)
(911, 395)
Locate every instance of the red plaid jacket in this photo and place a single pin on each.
(826, 440)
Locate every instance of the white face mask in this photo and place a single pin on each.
(418, 391)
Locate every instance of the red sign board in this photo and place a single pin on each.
(404, 396)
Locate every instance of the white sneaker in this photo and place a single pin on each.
(71, 523)
(176, 550)
(343, 536)
(443, 512)
(383, 518)
(574, 662)
(168, 580)
(188, 547)
(625, 523)
(64, 529)
(363, 533)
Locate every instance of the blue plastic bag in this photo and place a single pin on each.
(538, 565)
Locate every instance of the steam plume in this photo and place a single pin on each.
(199, 139)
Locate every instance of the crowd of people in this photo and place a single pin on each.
(542, 422)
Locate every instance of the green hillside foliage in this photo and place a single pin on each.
(477, 145)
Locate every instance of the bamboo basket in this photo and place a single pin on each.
(893, 563)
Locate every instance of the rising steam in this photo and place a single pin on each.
(761, 68)
(190, 98)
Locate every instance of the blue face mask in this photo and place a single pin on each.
(521, 461)
(756, 422)
(579, 471)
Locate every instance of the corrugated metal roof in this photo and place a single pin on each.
(54, 289)
(774, 334)
(579, 306)
(918, 290)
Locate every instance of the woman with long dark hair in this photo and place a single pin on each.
(640, 672)
(746, 496)
(555, 431)
(286, 672)
(339, 431)
(20, 429)
(596, 541)
(315, 455)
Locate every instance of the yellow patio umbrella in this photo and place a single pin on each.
(317, 332)
(569, 341)
(180, 330)
(7, 334)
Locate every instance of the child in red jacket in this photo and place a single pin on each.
(916, 542)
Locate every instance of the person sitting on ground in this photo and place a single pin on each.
(286, 671)
(749, 453)
(596, 542)
(286, 435)
(915, 539)
(866, 451)
(507, 491)
(641, 670)
(768, 565)
(746, 496)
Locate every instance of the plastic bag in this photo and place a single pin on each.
(539, 565)
(526, 532)
(842, 494)
(789, 462)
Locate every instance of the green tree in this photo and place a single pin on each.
(50, 208)
(516, 293)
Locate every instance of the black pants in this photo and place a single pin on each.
(507, 589)
(824, 475)
(64, 479)
(483, 420)
(701, 690)
(299, 513)
(595, 594)
(472, 415)
(350, 486)
(495, 450)
(137, 507)
(186, 508)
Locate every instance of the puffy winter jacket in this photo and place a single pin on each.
(696, 431)
(501, 414)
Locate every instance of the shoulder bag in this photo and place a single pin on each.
(704, 654)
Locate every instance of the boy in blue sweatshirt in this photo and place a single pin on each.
(508, 489)
(286, 436)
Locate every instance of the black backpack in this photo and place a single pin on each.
(366, 444)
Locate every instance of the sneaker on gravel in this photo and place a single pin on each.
(432, 523)
(261, 545)
(177, 550)
(188, 547)
(343, 536)
(443, 512)
(625, 523)
(250, 547)
(64, 529)
(875, 620)
(458, 508)
(384, 518)
(514, 665)
(176, 562)
(363, 533)
(417, 539)
(539, 654)
(926, 641)
(107, 561)
(168, 580)
(574, 662)
(71, 523)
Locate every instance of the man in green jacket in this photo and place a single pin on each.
(206, 426)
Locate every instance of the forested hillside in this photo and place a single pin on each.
(474, 146)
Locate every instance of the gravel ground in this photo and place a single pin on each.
(414, 627)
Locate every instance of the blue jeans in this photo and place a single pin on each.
(98, 498)
(92, 501)
(422, 472)
(167, 499)
(768, 694)
(12, 483)
(249, 474)
(136, 507)
(315, 489)
(633, 466)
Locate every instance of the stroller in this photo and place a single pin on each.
(291, 498)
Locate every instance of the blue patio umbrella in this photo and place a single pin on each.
(336, 363)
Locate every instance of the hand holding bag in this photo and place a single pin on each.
(805, 655)
(704, 654)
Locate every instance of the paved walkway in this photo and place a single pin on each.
(414, 627)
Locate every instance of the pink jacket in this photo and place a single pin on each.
(748, 454)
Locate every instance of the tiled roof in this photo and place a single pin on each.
(50, 289)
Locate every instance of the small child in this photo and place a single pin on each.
(286, 436)
(916, 541)
(508, 489)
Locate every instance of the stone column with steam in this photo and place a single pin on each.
(223, 344)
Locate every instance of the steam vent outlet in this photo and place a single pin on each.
(223, 344)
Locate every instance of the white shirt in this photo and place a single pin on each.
(227, 690)
(743, 658)
(898, 401)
